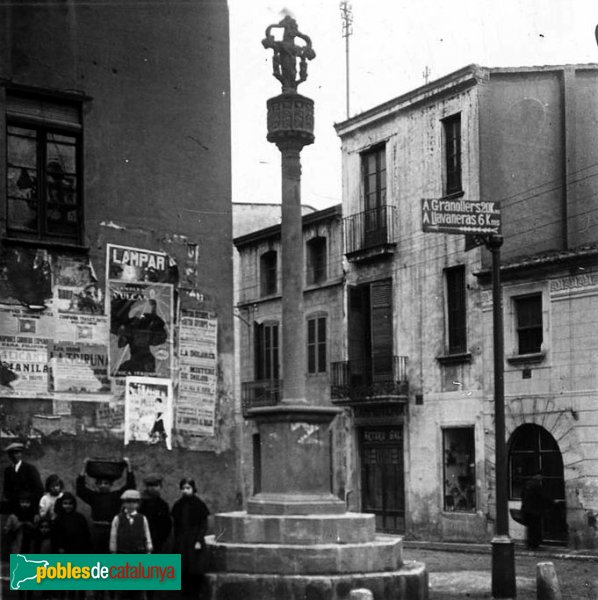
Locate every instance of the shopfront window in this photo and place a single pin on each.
(459, 469)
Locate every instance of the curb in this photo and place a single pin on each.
(487, 549)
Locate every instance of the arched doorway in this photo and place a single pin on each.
(533, 449)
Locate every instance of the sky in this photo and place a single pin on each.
(392, 45)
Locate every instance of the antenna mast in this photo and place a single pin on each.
(347, 18)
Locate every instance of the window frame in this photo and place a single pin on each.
(266, 359)
(41, 115)
(471, 502)
(317, 345)
(453, 160)
(523, 349)
(269, 273)
(455, 310)
(375, 198)
(316, 260)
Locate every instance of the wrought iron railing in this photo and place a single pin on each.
(381, 376)
(264, 392)
(369, 229)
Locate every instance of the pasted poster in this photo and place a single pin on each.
(79, 368)
(83, 328)
(148, 411)
(141, 316)
(196, 400)
(24, 366)
(135, 264)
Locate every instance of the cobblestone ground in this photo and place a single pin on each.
(458, 575)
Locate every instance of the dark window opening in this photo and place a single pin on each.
(452, 151)
(44, 197)
(316, 260)
(268, 274)
(459, 469)
(316, 345)
(456, 310)
(528, 310)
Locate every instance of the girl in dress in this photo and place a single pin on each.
(190, 519)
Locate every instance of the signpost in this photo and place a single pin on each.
(481, 221)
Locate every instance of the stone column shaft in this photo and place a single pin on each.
(293, 327)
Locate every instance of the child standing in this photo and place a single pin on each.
(20, 524)
(54, 489)
(190, 517)
(70, 532)
(156, 511)
(42, 538)
(129, 532)
(104, 503)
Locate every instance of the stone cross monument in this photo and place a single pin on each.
(296, 540)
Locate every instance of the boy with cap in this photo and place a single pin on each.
(104, 503)
(156, 511)
(129, 532)
(20, 477)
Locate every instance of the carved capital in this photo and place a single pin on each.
(291, 120)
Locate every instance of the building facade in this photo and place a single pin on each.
(116, 282)
(259, 311)
(417, 374)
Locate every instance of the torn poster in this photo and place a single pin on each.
(79, 368)
(135, 264)
(148, 411)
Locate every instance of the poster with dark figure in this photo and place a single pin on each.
(140, 329)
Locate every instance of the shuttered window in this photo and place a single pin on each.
(266, 350)
(316, 345)
(381, 329)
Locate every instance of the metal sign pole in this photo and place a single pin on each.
(503, 555)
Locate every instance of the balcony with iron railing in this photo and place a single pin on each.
(255, 394)
(370, 233)
(382, 378)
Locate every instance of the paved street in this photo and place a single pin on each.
(455, 574)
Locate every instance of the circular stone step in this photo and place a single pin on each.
(241, 527)
(381, 554)
(410, 582)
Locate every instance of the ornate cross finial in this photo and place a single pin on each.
(286, 53)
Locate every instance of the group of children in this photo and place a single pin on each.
(122, 520)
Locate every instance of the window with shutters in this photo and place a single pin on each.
(316, 260)
(266, 351)
(373, 164)
(316, 345)
(382, 330)
(456, 316)
(268, 273)
(44, 169)
(452, 154)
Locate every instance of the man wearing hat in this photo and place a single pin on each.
(129, 532)
(156, 511)
(19, 477)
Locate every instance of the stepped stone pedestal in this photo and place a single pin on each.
(296, 541)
